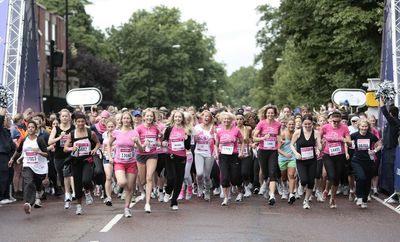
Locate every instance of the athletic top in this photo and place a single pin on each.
(306, 148)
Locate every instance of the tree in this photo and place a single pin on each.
(239, 85)
(154, 72)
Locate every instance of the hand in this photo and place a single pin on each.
(51, 148)
(347, 156)
(36, 150)
(266, 137)
(287, 155)
(371, 152)
(298, 156)
(46, 182)
(317, 152)
(165, 143)
(10, 163)
(146, 143)
(63, 133)
(93, 152)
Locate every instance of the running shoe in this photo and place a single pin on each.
(247, 191)
(239, 197)
(38, 203)
(306, 204)
(147, 208)
(108, 201)
(279, 188)
(97, 190)
(284, 196)
(359, 201)
(319, 196)
(127, 213)
(332, 203)
(27, 208)
(79, 209)
(182, 193)
(256, 191)
(200, 192)
(263, 189)
(297, 195)
(375, 191)
(73, 197)
(5, 201)
(123, 195)
(369, 197)
(207, 196)
(161, 197)
(352, 195)
(189, 193)
(291, 199)
(225, 202)
(222, 195)
(364, 205)
(325, 195)
(339, 189)
(346, 190)
(167, 197)
(88, 199)
(217, 191)
(271, 201)
(300, 190)
(174, 208)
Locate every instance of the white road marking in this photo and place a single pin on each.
(111, 223)
(386, 204)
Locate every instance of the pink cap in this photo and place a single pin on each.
(105, 114)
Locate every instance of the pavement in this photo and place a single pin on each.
(198, 220)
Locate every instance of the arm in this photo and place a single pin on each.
(96, 140)
(16, 154)
(295, 136)
(111, 140)
(319, 144)
(68, 145)
(391, 120)
(255, 136)
(42, 148)
(52, 138)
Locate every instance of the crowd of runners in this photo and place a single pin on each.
(159, 155)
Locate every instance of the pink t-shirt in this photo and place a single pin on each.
(333, 137)
(375, 132)
(228, 141)
(151, 135)
(124, 146)
(273, 129)
(161, 150)
(204, 141)
(176, 142)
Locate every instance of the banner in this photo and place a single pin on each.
(3, 34)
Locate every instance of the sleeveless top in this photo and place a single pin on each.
(59, 145)
(306, 147)
(84, 144)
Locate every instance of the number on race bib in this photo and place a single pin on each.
(269, 144)
(227, 150)
(363, 144)
(307, 153)
(335, 149)
(177, 145)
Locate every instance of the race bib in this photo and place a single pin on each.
(335, 149)
(31, 157)
(270, 144)
(307, 153)
(363, 144)
(226, 150)
(177, 145)
(125, 154)
(203, 148)
(63, 140)
(152, 142)
(84, 149)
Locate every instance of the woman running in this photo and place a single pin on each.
(226, 146)
(108, 167)
(373, 123)
(124, 160)
(287, 162)
(308, 146)
(267, 133)
(147, 142)
(34, 150)
(83, 144)
(177, 137)
(336, 136)
(366, 146)
(204, 139)
(58, 136)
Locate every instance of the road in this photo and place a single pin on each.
(197, 220)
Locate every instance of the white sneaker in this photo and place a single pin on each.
(127, 213)
(217, 191)
(38, 203)
(167, 197)
(123, 195)
(239, 197)
(27, 208)
(306, 204)
(279, 188)
(141, 197)
(225, 202)
(339, 189)
(5, 201)
(346, 190)
(364, 205)
(147, 208)
(161, 197)
(207, 196)
(319, 196)
(108, 201)
(284, 196)
(200, 192)
(222, 195)
(263, 189)
(67, 197)
(79, 209)
(89, 198)
(175, 208)
(359, 201)
(67, 205)
(291, 199)
(247, 191)
(300, 190)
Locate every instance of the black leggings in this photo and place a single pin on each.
(334, 166)
(363, 171)
(175, 167)
(52, 171)
(247, 167)
(162, 159)
(306, 170)
(256, 173)
(318, 168)
(82, 171)
(268, 160)
(230, 170)
(32, 184)
(215, 175)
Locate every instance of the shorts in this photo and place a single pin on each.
(127, 167)
(143, 158)
(67, 171)
(283, 165)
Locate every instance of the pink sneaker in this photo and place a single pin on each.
(189, 192)
(182, 193)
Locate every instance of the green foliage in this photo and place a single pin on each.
(323, 44)
(156, 73)
(239, 85)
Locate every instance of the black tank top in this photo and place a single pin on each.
(59, 149)
(302, 142)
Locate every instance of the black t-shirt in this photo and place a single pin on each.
(363, 143)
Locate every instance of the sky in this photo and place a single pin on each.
(233, 23)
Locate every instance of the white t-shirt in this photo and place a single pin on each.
(36, 162)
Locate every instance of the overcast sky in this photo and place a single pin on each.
(232, 23)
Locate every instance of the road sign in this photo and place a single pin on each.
(354, 97)
(84, 96)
